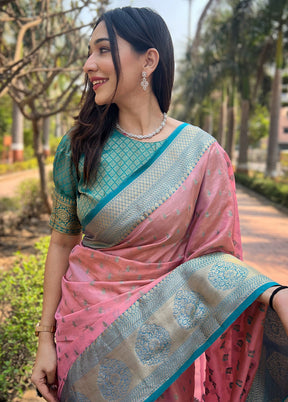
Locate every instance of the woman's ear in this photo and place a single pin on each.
(151, 60)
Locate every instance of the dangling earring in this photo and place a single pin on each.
(144, 82)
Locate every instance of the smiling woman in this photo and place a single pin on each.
(101, 72)
(156, 288)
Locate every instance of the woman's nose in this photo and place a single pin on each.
(90, 64)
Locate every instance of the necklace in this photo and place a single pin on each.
(142, 137)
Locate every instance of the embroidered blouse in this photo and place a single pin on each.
(73, 199)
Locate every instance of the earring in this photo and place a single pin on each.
(144, 82)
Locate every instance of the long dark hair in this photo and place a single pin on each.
(143, 28)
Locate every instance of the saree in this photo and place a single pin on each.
(157, 303)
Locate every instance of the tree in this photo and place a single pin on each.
(43, 50)
(277, 11)
(252, 47)
(230, 54)
(209, 66)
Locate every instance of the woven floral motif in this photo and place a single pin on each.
(152, 344)
(226, 276)
(188, 309)
(113, 379)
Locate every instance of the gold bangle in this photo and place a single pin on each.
(43, 328)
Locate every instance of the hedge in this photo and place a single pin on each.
(21, 294)
(274, 190)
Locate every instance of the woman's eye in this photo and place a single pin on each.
(104, 49)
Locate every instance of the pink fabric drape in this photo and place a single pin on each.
(199, 218)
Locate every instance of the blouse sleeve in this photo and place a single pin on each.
(64, 217)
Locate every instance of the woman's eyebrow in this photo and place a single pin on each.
(100, 40)
(97, 41)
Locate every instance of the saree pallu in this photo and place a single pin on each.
(158, 283)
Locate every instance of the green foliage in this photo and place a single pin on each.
(5, 118)
(9, 204)
(284, 158)
(5, 115)
(24, 207)
(54, 142)
(30, 198)
(28, 137)
(284, 161)
(258, 125)
(20, 166)
(20, 302)
(28, 144)
(28, 152)
(275, 191)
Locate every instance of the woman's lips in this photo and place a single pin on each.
(98, 82)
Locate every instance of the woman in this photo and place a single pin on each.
(157, 279)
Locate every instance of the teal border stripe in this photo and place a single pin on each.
(101, 204)
(236, 313)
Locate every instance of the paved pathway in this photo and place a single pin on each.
(264, 235)
(10, 182)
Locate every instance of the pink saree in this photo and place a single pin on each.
(158, 284)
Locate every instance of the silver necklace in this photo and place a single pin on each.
(142, 137)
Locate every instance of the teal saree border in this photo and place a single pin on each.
(133, 177)
(153, 187)
(211, 340)
(150, 306)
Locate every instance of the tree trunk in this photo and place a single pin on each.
(46, 145)
(17, 134)
(230, 138)
(243, 149)
(58, 128)
(208, 123)
(273, 149)
(41, 165)
(222, 121)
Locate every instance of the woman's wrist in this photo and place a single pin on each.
(40, 327)
(274, 298)
(265, 296)
(271, 295)
(46, 337)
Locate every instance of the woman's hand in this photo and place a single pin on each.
(44, 371)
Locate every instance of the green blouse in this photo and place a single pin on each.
(73, 199)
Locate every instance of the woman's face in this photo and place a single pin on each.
(101, 72)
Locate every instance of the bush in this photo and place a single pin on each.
(20, 210)
(25, 207)
(9, 204)
(275, 191)
(20, 301)
(284, 161)
(25, 165)
(29, 195)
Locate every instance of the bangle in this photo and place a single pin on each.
(273, 295)
(42, 328)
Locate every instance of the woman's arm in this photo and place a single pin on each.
(280, 304)
(44, 372)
